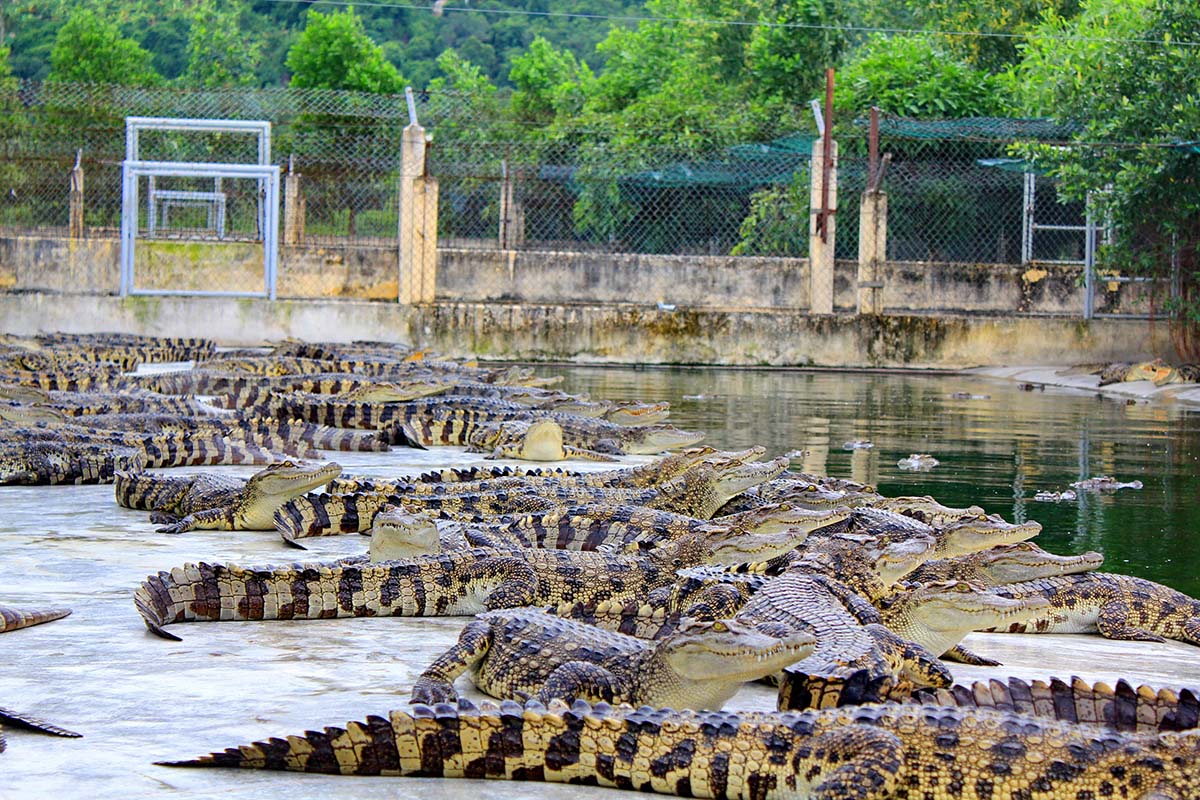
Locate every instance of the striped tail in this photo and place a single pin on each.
(1126, 708)
(12, 619)
(20, 720)
(641, 749)
(191, 451)
(434, 585)
(346, 439)
(327, 514)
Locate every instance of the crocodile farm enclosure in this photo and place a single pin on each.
(703, 582)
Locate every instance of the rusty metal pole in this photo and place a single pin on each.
(827, 153)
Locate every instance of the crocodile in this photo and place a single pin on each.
(454, 419)
(961, 537)
(1006, 563)
(1113, 605)
(12, 619)
(78, 404)
(641, 476)
(878, 752)
(274, 435)
(621, 526)
(698, 492)
(399, 534)
(527, 652)
(164, 449)
(49, 462)
(927, 510)
(444, 584)
(939, 615)
(800, 493)
(210, 501)
(540, 440)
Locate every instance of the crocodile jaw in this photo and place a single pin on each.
(1014, 564)
(942, 620)
(661, 437)
(754, 547)
(975, 535)
(737, 655)
(397, 534)
(270, 488)
(738, 477)
(543, 441)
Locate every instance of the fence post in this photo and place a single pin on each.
(75, 202)
(512, 214)
(872, 250)
(293, 206)
(418, 221)
(821, 242)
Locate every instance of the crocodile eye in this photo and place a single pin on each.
(981, 517)
(720, 627)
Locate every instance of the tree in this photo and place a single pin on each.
(219, 52)
(90, 49)
(787, 58)
(984, 33)
(914, 77)
(548, 82)
(1128, 73)
(334, 52)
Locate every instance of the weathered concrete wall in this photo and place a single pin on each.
(621, 334)
(471, 275)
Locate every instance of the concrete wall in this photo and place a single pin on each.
(476, 275)
(620, 334)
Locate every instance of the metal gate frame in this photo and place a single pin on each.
(268, 180)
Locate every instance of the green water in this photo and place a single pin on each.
(995, 452)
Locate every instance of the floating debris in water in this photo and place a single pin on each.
(699, 397)
(920, 462)
(969, 396)
(1104, 483)
(1055, 497)
(665, 306)
(794, 454)
(858, 444)
(1029, 387)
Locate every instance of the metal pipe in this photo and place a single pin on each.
(412, 105)
(873, 151)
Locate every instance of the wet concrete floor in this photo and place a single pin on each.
(138, 698)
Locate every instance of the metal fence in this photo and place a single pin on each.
(955, 193)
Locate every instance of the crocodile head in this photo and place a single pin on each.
(731, 650)
(23, 394)
(727, 546)
(399, 533)
(28, 415)
(815, 496)
(938, 615)
(868, 562)
(634, 413)
(648, 439)
(275, 484)
(927, 510)
(1025, 561)
(395, 391)
(781, 517)
(734, 476)
(981, 532)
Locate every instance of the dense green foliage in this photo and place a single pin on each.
(89, 48)
(335, 52)
(1130, 72)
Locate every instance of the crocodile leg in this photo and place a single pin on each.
(582, 680)
(211, 519)
(964, 656)
(1114, 621)
(436, 683)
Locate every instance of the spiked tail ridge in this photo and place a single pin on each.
(20, 720)
(1124, 707)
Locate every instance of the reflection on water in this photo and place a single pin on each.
(997, 452)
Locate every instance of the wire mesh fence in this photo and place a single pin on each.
(956, 191)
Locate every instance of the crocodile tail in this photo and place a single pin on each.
(527, 742)
(1123, 707)
(327, 514)
(12, 619)
(327, 438)
(20, 720)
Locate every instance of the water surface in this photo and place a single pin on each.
(996, 449)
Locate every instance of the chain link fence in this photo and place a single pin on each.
(956, 192)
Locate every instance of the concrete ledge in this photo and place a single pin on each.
(613, 334)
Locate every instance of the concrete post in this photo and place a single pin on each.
(872, 251)
(820, 250)
(75, 202)
(512, 214)
(293, 209)
(418, 221)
